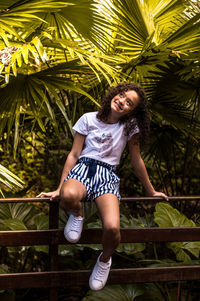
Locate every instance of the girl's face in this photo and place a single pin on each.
(124, 103)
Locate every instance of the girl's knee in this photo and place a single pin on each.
(68, 197)
(113, 232)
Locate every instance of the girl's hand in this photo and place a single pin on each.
(52, 195)
(161, 194)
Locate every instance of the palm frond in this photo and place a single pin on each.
(40, 93)
(186, 38)
(26, 11)
(12, 58)
(88, 21)
(173, 99)
(9, 179)
(154, 23)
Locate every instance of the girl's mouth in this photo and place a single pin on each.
(118, 105)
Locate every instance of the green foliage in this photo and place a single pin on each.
(8, 179)
(144, 292)
(167, 216)
(13, 224)
(7, 295)
(130, 248)
(116, 293)
(143, 41)
(22, 215)
(3, 269)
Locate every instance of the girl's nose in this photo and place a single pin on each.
(122, 100)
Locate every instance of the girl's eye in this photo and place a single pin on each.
(129, 103)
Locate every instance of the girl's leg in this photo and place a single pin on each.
(108, 206)
(71, 194)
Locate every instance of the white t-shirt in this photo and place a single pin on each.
(104, 142)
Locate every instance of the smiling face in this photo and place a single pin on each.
(124, 103)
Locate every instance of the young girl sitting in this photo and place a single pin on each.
(89, 171)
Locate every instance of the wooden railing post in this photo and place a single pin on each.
(53, 248)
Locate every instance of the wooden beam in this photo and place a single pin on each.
(123, 199)
(93, 236)
(55, 279)
(28, 200)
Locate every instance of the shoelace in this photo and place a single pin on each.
(76, 224)
(100, 273)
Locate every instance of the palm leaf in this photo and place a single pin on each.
(88, 21)
(174, 105)
(26, 11)
(30, 53)
(135, 21)
(128, 292)
(24, 213)
(166, 216)
(9, 179)
(187, 37)
(39, 92)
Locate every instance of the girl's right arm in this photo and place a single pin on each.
(140, 169)
(69, 164)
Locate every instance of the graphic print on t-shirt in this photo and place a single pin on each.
(105, 144)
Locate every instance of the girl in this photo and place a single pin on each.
(100, 138)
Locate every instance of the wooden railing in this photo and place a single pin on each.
(54, 278)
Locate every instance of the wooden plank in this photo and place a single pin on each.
(55, 279)
(28, 200)
(91, 236)
(141, 275)
(156, 199)
(26, 238)
(123, 199)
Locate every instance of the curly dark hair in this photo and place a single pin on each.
(138, 117)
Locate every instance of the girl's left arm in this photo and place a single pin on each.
(140, 169)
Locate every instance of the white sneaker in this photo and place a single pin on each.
(73, 228)
(100, 274)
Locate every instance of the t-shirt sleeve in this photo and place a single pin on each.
(81, 126)
(133, 132)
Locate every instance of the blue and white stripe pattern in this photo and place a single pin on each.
(98, 177)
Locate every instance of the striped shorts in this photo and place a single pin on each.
(98, 177)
